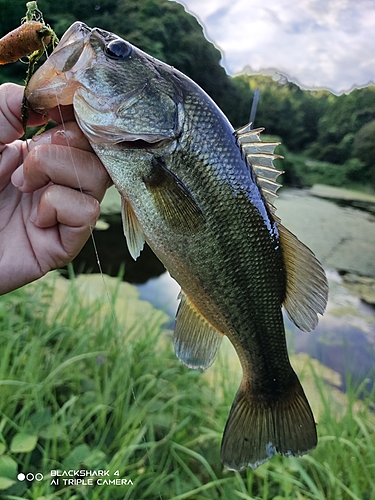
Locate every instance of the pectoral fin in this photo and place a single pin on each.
(132, 229)
(196, 341)
(306, 282)
(172, 199)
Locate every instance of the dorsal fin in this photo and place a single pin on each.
(306, 283)
(260, 156)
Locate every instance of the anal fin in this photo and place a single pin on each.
(196, 342)
(258, 427)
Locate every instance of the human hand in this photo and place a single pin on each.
(49, 195)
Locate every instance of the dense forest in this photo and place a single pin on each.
(325, 138)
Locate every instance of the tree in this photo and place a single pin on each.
(284, 109)
(364, 149)
(346, 114)
(159, 27)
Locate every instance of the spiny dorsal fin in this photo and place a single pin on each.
(260, 156)
(196, 342)
(306, 282)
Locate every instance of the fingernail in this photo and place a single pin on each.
(45, 138)
(18, 178)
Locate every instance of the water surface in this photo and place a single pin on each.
(340, 233)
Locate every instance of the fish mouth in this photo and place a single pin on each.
(104, 117)
(52, 84)
(121, 139)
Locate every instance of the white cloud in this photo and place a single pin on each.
(318, 43)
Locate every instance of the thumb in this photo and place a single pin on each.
(11, 96)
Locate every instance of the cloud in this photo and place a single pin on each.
(317, 43)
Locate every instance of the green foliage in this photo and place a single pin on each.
(364, 147)
(301, 171)
(345, 114)
(81, 391)
(318, 124)
(284, 109)
(160, 27)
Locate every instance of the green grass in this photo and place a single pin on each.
(82, 389)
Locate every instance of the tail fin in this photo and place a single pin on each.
(257, 428)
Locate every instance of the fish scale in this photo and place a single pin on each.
(201, 195)
(248, 284)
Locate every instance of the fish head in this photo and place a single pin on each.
(119, 93)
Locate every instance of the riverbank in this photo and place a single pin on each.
(342, 237)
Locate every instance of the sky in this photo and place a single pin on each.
(326, 44)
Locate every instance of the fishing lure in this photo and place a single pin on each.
(30, 40)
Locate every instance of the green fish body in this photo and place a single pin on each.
(200, 194)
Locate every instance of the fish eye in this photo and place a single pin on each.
(118, 49)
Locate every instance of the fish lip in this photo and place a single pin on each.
(102, 34)
(77, 28)
(122, 139)
(49, 86)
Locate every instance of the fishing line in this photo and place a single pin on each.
(112, 309)
(113, 313)
(90, 226)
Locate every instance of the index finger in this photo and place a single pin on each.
(66, 134)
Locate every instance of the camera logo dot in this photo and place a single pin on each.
(30, 477)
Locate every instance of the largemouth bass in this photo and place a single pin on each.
(200, 194)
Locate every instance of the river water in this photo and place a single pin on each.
(338, 225)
